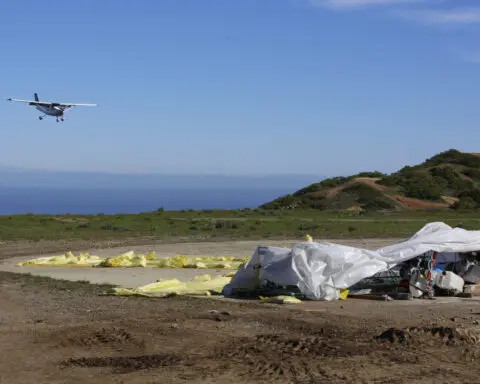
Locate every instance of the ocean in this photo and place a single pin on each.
(92, 201)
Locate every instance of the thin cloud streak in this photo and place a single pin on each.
(423, 12)
(454, 16)
(473, 58)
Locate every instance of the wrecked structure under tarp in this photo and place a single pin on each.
(320, 270)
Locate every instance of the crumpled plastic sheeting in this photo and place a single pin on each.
(66, 260)
(322, 269)
(206, 262)
(282, 299)
(203, 285)
(127, 259)
(132, 260)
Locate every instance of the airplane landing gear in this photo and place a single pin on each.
(40, 117)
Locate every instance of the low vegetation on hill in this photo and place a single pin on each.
(447, 181)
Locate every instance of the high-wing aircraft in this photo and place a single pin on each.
(51, 108)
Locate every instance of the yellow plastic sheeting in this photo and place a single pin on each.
(308, 238)
(281, 300)
(203, 285)
(343, 294)
(205, 262)
(127, 259)
(66, 260)
(131, 260)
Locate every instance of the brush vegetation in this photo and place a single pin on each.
(224, 225)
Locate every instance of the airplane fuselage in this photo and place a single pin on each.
(50, 111)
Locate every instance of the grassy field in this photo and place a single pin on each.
(218, 225)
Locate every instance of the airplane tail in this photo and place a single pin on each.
(36, 97)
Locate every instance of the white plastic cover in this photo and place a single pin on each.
(320, 269)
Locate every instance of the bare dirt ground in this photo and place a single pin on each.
(56, 331)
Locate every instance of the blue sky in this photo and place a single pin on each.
(327, 87)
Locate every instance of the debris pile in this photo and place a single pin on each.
(326, 271)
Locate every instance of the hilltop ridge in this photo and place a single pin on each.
(449, 180)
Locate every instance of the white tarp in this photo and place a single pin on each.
(320, 269)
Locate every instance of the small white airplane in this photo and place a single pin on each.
(51, 108)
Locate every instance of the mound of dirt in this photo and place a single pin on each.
(445, 335)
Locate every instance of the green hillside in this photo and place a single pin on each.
(447, 181)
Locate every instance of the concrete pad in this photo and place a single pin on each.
(124, 277)
(134, 277)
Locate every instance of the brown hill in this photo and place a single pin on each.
(449, 180)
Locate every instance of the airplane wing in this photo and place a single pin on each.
(47, 103)
(29, 101)
(75, 105)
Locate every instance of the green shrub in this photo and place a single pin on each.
(311, 188)
(334, 182)
(279, 203)
(383, 203)
(422, 187)
(362, 192)
(453, 156)
(389, 181)
(375, 174)
(465, 203)
(472, 193)
(450, 178)
(472, 173)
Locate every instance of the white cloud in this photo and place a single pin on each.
(452, 16)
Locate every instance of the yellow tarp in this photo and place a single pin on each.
(68, 259)
(203, 285)
(343, 294)
(132, 260)
(282, 299)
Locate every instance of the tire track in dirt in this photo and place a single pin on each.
(295, 359)
(447, 335)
